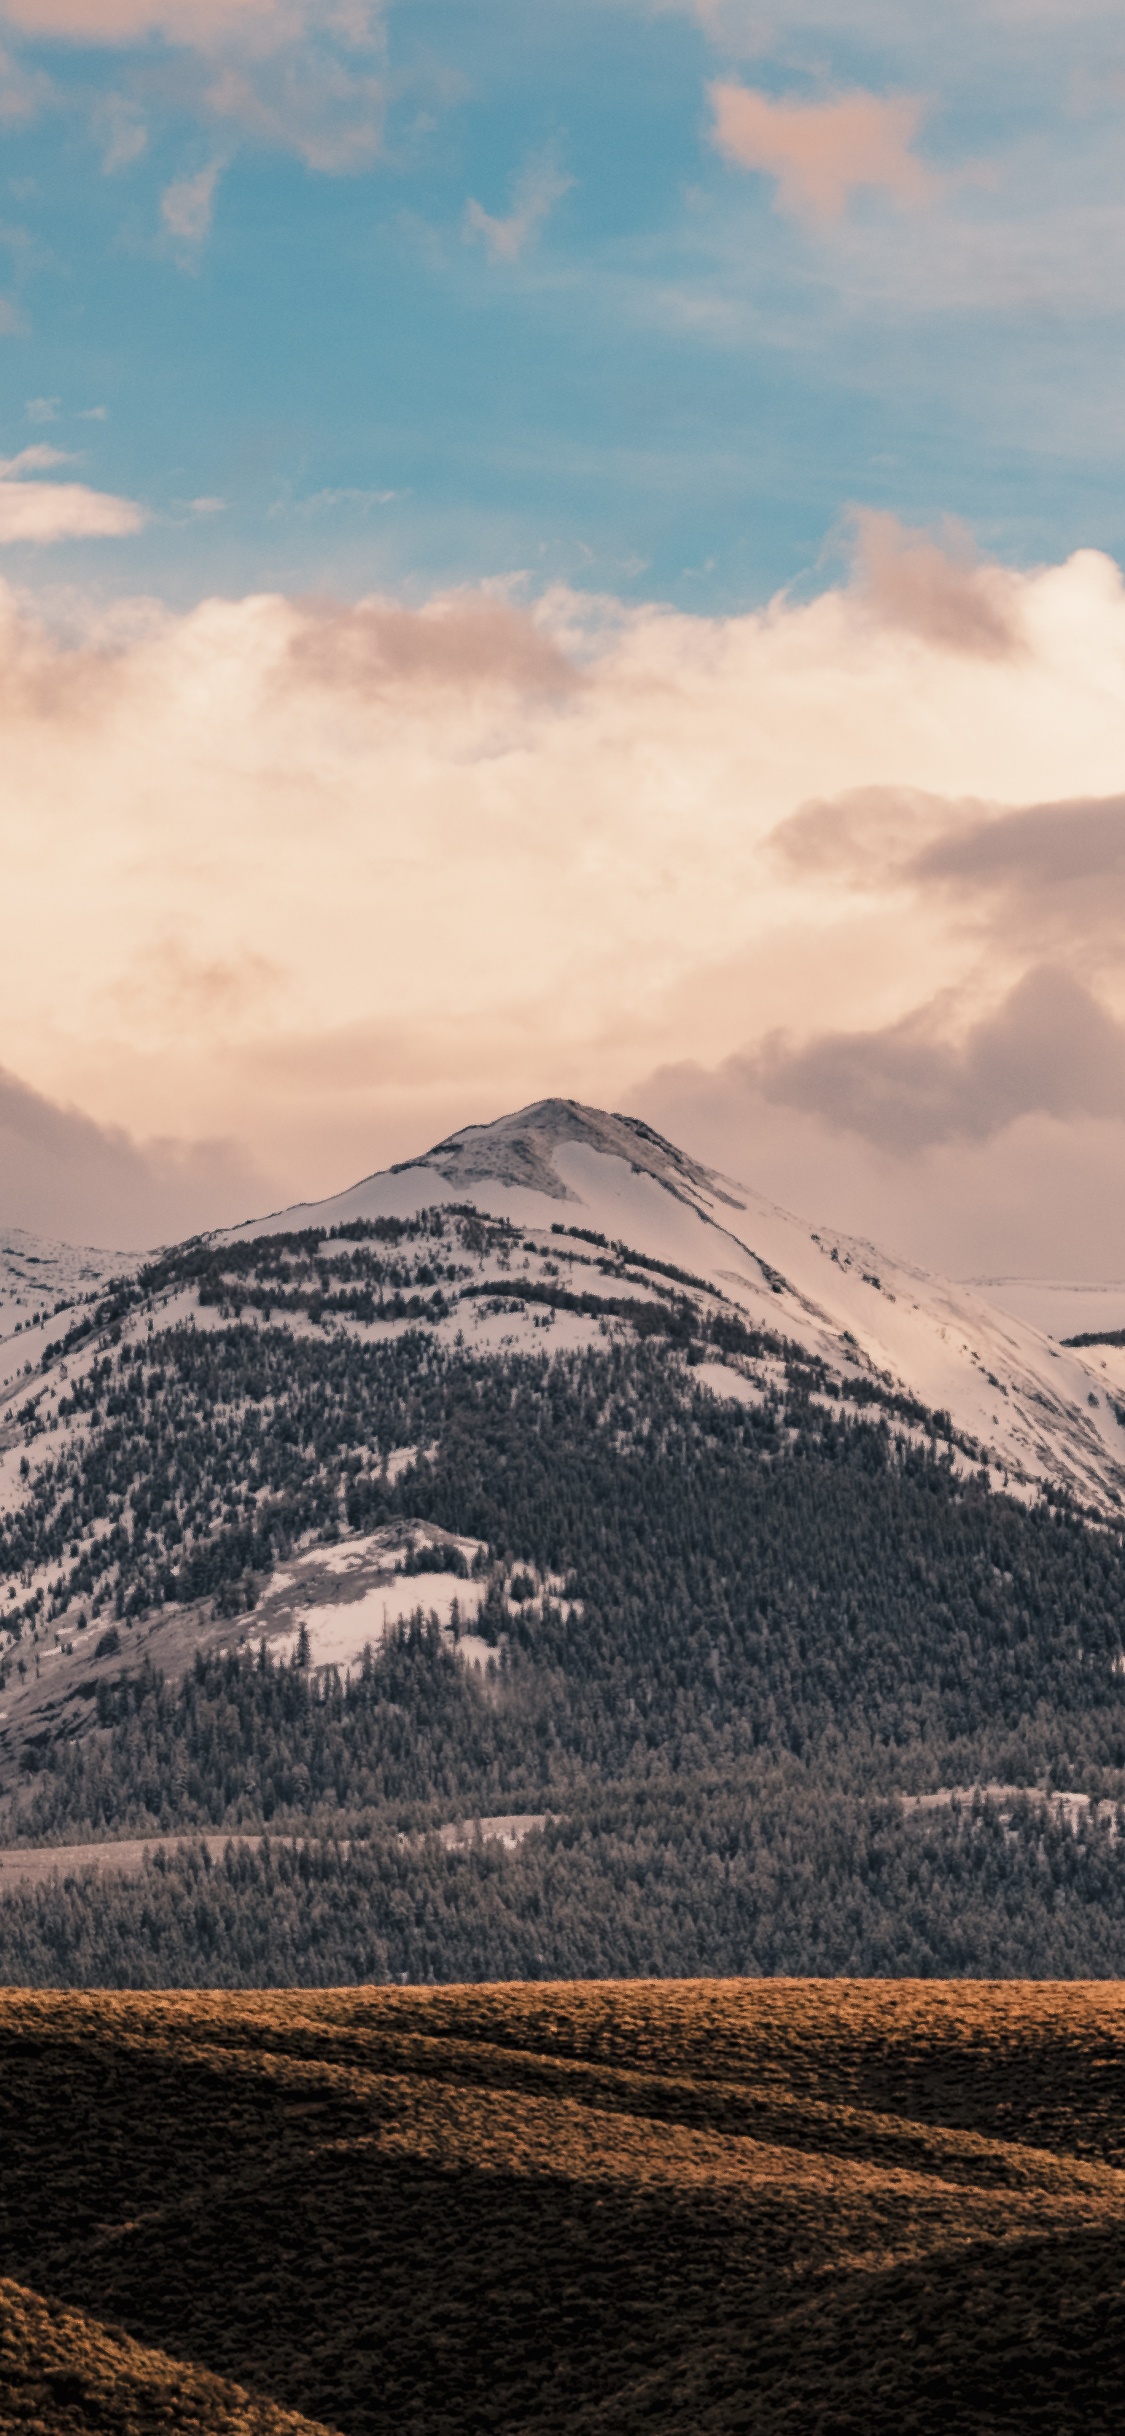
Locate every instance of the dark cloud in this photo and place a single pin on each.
(872, 837)
(464, 642)
(1047, 876)
(63, 1175)
(1049, 1049)
(1032, 853)
(933, 586)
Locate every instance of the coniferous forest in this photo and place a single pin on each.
(734, 1646)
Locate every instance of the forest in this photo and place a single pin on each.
(780, 1619)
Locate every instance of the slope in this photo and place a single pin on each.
(1041, 1412)
(586, 2209)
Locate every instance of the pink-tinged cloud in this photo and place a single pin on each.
(464, 641)
(933, 586)
(196, 23)
(64, 1175)
(292, 73)
(822, 153)
(329, 879)
(63, 511)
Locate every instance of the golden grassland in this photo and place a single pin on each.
(816, 2206)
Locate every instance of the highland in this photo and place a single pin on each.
(769, 1590)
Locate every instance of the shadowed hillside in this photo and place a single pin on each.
(833, 2207)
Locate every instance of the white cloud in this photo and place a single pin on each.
(348, 497)
(34, 459)
(62, 511)
(537, 189)
(124, 133)
(43, 410)
(187, 205)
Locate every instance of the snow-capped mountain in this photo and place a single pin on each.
(186, 1440)
(1041, 1411)
(597, 1213)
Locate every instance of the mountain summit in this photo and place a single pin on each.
(520, 1149)
(1038, 1411)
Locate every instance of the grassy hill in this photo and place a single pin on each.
(602, 2207)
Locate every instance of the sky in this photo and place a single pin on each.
(574, 550)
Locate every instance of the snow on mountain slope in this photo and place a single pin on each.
(1061, 1307)
(39, 1279)
(1040, 1411)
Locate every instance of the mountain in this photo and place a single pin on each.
(1039, 1411)
(556, 1480)
(40, 1279)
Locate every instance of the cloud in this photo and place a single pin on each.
(294, 74)
(319, 108)
(823, 153)
(538, 188)
(187, 205)
(200, 24)
(348, 497)
(486, 848)
(1042, 1199)
(869, 838)
(43, 410)
(465, 640)
(23, 93)
(1049, 1049)
(1035, 855)
(125, 134)
(1040, 876)
(63, 1175)
(62, 511)
(33, 459)
(933, 586)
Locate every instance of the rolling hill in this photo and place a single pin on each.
(848, 2209)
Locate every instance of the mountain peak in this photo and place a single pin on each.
(519, 1150)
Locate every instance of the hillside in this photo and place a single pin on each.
(1038, 1410)
(518, 1482)
(593, 2209)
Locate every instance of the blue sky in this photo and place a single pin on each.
(672, 385)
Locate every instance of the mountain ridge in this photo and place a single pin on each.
(1040, 1412)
